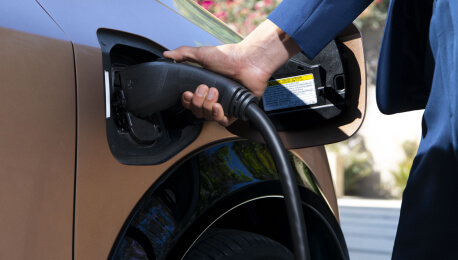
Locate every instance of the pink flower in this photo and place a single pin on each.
(245, 11)
(206, 4)
(258, 5)
(268, 2)
(221, 15)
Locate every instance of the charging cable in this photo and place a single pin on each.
(154, 86)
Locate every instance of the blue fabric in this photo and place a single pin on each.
(411, 75)
(428, 226)
(314, 23)
(403, 81)
(406, 65)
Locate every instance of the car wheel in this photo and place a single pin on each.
(224, 244)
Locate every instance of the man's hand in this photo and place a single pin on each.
(250, 62)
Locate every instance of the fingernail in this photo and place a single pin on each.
(201, 91)
(167, 52)
(187, 97)
(210, 94)
(215, 109)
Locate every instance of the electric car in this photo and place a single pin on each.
(81, 177)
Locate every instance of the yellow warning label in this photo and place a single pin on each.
(289, 80)
(290, 92)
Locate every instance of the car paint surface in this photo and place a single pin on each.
(37, 138)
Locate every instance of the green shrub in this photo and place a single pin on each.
(402, 173)
(241, 15)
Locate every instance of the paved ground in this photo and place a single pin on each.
(369, 227)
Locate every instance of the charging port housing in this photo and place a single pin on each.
(133, 140)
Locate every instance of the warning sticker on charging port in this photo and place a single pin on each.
(290, 92)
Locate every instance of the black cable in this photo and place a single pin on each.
(287, 179)
(154, 86)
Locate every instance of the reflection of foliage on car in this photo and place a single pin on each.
(236, 163)
(217, 172)
(157, 223)
(304, 174)
(257, 159)
(241, 163)
(206, 21)
(131, 249)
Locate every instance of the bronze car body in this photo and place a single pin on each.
(63, 193)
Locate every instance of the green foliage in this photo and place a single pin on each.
(244, 15)
(402, 174)
(374, 15)
(241, 15)
(205, 20)
(357, 162)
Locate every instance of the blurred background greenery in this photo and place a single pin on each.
(244, 15)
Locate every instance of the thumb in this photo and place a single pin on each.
(184, 53)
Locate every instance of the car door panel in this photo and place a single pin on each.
(37, 138)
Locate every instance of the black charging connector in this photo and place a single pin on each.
(155, 86)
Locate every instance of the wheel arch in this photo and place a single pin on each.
(212, 188)
(264, 213)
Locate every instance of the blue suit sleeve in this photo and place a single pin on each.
(314, 23)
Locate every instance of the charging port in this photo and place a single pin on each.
(142, 131)
(151, 139)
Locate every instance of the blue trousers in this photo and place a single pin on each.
(428, 226)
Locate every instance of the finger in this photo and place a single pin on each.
(183, 53)
(210, 99)
(219, 117)
(198, 101)
(186, 99)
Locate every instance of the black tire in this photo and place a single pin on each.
(225, 244)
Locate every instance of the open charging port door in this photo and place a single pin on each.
(304, 92)
(320, 101)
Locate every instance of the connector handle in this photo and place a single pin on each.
(155, 86)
